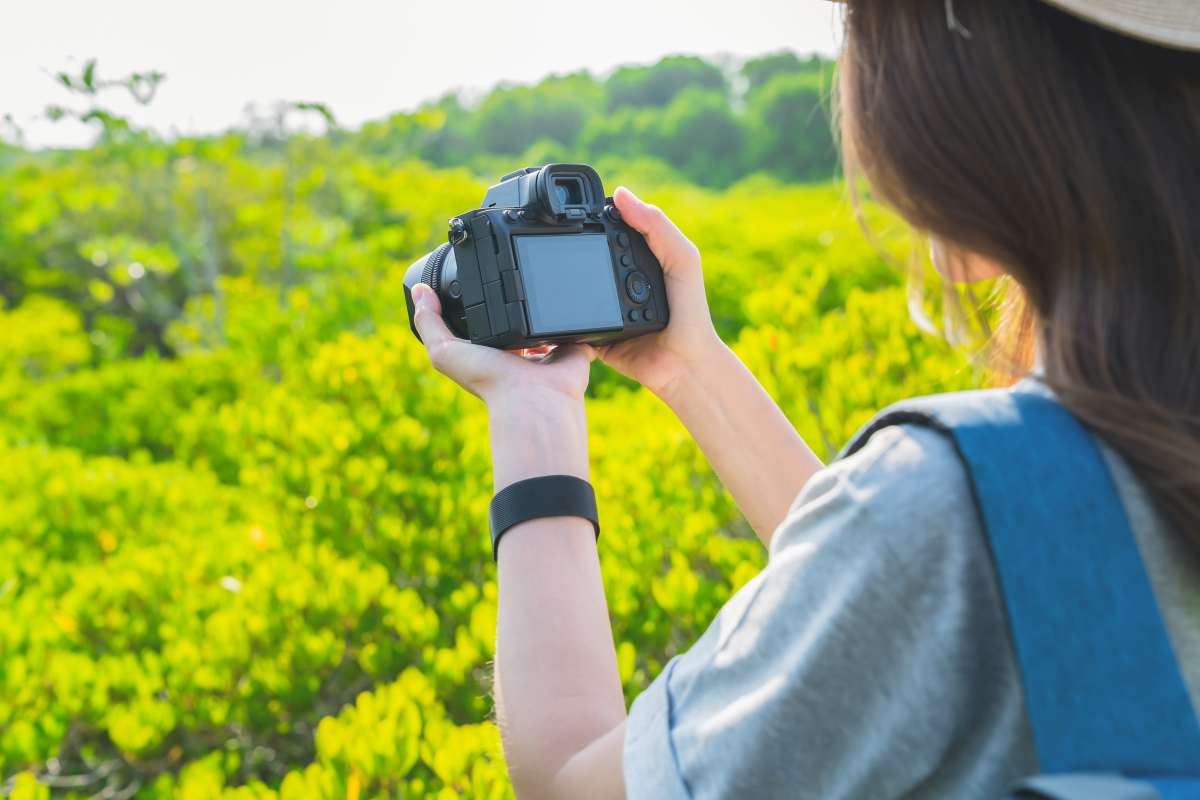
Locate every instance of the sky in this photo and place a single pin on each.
(365, 59)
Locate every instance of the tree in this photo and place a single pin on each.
(513, 118)
(658, 85)
(760, 70)
(700, 135)
(790, 129)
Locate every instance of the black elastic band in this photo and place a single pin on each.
(547, 496)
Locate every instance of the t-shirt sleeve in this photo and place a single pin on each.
(870, 658)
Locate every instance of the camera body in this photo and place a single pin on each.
(545, 260)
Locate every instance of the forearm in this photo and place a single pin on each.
(752, 446)
(558, 691)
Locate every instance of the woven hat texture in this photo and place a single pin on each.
(1173, 23)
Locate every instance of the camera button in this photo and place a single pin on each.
(575, 213)
(529, 215)
(624, 261)
(637, 288)
(633, 315)
(455, 290)
(623, 240)
(646, 314)
(614, 213)
(511, 215)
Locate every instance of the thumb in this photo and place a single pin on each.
(428, 317)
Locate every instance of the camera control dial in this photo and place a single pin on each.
(637, 287)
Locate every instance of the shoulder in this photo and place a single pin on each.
(894, 531)
(902, 494)
(875, 630)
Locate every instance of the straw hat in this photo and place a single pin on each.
(1171, 23)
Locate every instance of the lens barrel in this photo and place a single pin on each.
(439, 271)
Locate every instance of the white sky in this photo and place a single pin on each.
(364, 58)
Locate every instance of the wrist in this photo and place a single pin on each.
(664, 366)
(696, 374)
(537, 433)
(521, 400)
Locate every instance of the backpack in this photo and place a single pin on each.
(1109, 711)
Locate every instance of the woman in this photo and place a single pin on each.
(870, 658)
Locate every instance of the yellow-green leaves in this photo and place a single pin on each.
(42, 337)
(380, 735)
(261, 569)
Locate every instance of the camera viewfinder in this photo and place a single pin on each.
(569, 191)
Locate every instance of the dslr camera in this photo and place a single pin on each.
(545, 260)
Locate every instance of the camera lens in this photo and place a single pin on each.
(439, 271)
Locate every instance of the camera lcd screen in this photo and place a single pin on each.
(569, 282)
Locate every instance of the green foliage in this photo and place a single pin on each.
(682, 111)
(44, 337)
(794, 139)
(760, 70)
(243, 546)
(511, 119)
(137, 234)
(141, 86)
(658, 85)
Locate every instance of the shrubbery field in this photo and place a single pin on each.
(243, 545)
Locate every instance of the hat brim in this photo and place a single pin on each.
(1170, 23)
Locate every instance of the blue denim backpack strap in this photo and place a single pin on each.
(1104, 694)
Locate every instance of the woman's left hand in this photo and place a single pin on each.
(495, 375)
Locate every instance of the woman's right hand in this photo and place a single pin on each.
(753, 447)
(659, 360)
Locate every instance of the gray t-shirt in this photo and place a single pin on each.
(870, 658)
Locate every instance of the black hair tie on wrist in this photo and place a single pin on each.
(534, 498)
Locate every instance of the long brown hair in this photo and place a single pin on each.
(1070, 155)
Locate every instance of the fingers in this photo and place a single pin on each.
(567, 352)
(669, 244)
(429, 322)
(558, 353)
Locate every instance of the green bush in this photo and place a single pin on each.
(251, 560)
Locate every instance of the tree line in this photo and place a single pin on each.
(710, 126)
(133, 229)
